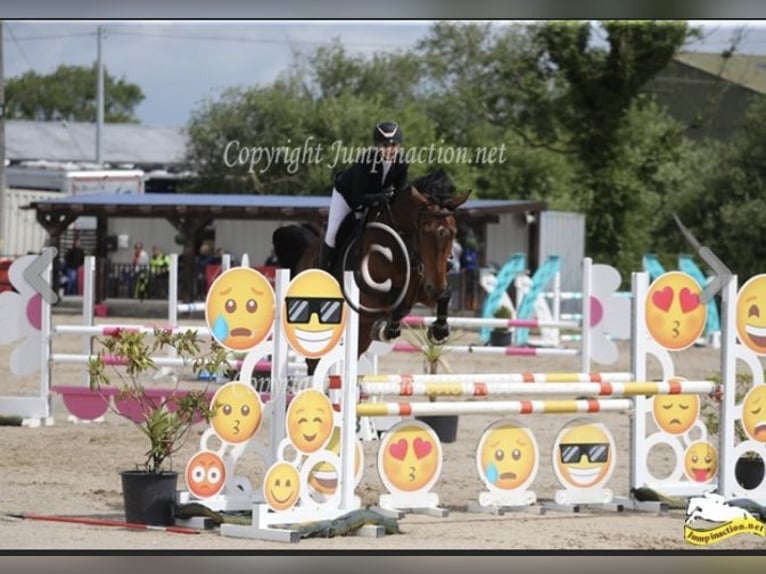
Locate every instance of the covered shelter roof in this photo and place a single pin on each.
(240, 206)
(191, 213)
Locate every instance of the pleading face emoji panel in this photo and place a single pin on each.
(239, 309)
(507, 456)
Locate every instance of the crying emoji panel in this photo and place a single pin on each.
(239, 310)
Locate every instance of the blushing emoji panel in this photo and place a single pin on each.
(309, 421)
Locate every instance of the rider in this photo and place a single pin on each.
(380, 168)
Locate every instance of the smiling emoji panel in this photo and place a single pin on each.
(583, 454)
(239, 310)
(507, 456)
(674, 312)
(675, 414)
(237, 412)
(281, 486)
(701, 461)
(310, 421)
(754, 413)
(751, 314)
(313, 314)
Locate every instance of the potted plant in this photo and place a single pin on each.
(164, 417)
(445, 426)
(501, 336)
(749, 468)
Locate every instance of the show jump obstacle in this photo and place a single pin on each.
(314, 458)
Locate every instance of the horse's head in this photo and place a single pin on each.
(431, 227)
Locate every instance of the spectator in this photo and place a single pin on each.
(469, 261)
(205, 257)
(73, 260)
(140, 256)
(159, 265)
(140, 277)
(453, 263)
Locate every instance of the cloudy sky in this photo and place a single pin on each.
(177, 64)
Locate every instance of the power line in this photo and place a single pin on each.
(245, 39)
(51, 36)
(15, 40)
(31, 67)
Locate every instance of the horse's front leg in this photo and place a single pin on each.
(438, 331)
(386, 329)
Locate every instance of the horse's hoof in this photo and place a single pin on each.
(393, 332)
(379, 331)
(437, 334)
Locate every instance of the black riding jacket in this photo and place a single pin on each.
(366, 176)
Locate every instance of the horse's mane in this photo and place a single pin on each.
(437, 185)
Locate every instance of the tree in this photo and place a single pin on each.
(724, 205)
(69, 94)
(601, 86)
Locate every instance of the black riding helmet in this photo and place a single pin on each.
(387, 132)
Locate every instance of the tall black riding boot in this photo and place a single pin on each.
(326, 257)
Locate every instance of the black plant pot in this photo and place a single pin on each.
(500, 338)
(749, 472)
(445, 426)
(149, 497)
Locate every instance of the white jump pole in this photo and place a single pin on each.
(482, 350)
(88, 305)
(587, 291)
(476, 322)
(495, 407)
(114, 330)
(480, 389)
(617, 377)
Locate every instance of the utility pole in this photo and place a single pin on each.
(100, 102)
(2, 143)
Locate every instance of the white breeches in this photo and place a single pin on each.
(339, 209)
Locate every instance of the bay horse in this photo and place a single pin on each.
(422, 215)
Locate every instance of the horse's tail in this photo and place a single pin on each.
(290, 243)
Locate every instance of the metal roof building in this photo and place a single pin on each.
(76, 142)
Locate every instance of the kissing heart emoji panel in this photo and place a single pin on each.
(675, 314)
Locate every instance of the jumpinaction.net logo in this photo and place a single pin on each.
(728, 520)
